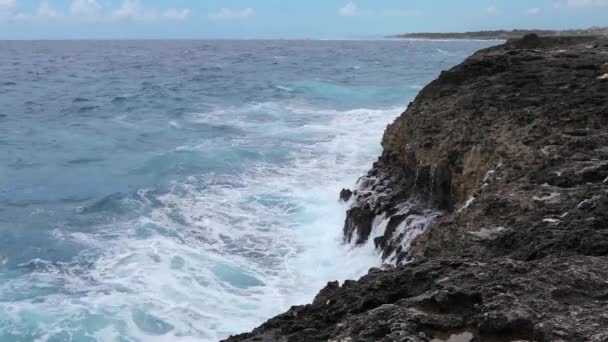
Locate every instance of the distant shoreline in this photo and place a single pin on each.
(502, 34)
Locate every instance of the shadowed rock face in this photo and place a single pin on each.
(508, 154)
(558, 299)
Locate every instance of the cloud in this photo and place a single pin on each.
(533, 11)
(45, 11)
(581, 3)
(177, 14)
(135, 10)
(349, 10)
(492, 10)
(85, 8)
(233, 14)
(402, 13)
(91, 10)
(352, 10)
(8, 10)
(7, 7)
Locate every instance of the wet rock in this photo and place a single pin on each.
(358, 225)
(522, 129)
(496, 300)
(345, 195)
(529, 41)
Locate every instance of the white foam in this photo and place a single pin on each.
(550, 197)
(284, 88)
(467, 204)
(222, 254)
(408, 230)
(488, 233)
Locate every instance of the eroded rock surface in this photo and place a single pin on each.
(506, 156)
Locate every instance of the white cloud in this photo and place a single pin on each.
(402, 13)
(45, 11)
(177, 14)
(92, 10)
(581, 3)
(232, 14)
(352, 10)
(492, 10)
(8, 10)
(533, 11)
(349, 10)
(7, 7)
(85, 8)
(586, 3)
(133, 9)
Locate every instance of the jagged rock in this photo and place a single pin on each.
(345, 195)
(501, 299)
(358, 222)
(511, 149)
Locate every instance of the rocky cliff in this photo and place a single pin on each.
(491, 198)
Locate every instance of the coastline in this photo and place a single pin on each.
(507, 153)
(429, 39)
(504, 34)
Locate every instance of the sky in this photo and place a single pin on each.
(250, 19)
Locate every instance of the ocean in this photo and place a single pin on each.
(187, 190)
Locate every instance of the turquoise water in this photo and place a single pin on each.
(186, 190)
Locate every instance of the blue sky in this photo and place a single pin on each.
(124, 19)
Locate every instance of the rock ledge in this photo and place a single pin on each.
(493, 185)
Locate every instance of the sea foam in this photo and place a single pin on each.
(219, 254)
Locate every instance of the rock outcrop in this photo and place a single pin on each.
(493, 186)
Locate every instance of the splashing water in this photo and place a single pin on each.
(186, 191)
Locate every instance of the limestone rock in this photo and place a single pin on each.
(507, 155)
